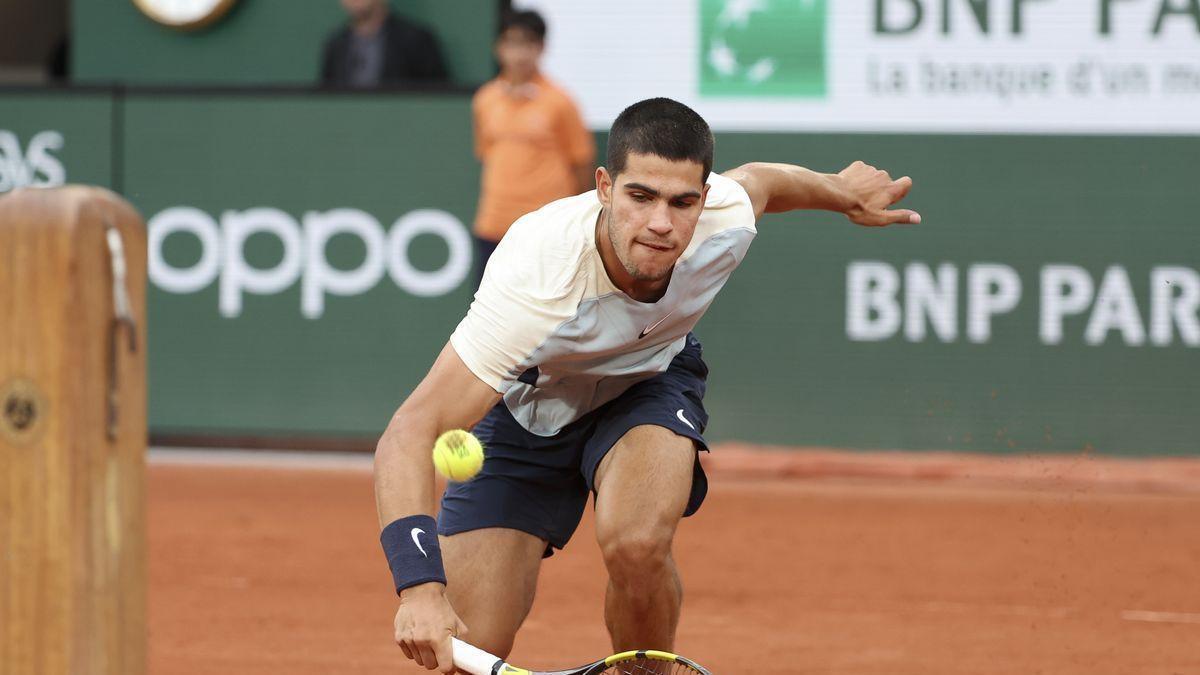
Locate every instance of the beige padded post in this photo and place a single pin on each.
(72, 433)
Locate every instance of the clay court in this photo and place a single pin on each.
(807, 562)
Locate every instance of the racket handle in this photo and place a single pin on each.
(474, 660)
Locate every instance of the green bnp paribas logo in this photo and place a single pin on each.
(770, 48)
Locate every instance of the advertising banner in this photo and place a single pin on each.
(309, 255)
(48, 139)
(1076, 66)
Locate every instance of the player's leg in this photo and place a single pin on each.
(642, 488)
(641, 464)
(491, 576)
(496, 527)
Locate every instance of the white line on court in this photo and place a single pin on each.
(1057, 612)
(1160, 617)
(261, 459)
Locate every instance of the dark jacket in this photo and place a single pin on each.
(410, 53)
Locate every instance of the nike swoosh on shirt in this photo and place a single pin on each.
(654, 325)
(415, 532)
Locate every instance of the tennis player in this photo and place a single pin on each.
(578, 370)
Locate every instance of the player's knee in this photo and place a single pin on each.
(500, 646)
(637, 554)
(493, 640)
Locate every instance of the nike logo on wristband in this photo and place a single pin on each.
(415, 532)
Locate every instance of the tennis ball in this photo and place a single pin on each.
(458, 455)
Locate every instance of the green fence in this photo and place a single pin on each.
(259, 42)
(309, 257)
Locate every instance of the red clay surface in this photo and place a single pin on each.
(278, 571)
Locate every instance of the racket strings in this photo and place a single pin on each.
(649, 667)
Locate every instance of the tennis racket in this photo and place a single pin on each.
(645, 662)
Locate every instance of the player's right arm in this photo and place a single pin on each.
(526, 292)
(449, 397)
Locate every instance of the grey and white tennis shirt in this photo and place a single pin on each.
(550, 331)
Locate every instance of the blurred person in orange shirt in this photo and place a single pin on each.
(528, 134)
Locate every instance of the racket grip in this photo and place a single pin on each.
(474, 660)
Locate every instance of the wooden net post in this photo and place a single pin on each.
(72, 433)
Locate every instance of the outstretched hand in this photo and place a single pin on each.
(871, 191)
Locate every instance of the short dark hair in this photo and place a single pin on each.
(526, 20)
(661, 127)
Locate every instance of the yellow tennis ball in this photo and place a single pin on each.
(458, 455)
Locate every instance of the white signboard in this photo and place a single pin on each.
(1073, 66)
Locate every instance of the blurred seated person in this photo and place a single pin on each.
(528, 134)
(379, 48)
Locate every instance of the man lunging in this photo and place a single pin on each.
(578, 369)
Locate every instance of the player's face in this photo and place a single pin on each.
(651, 211)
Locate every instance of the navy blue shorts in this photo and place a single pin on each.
(540, 484)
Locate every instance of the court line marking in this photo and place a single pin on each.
(1160, 617)
(1059, 612)
(262, 459)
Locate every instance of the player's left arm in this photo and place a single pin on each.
(860, 191)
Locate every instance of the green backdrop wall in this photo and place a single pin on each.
(258, 42)
(908, 337)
